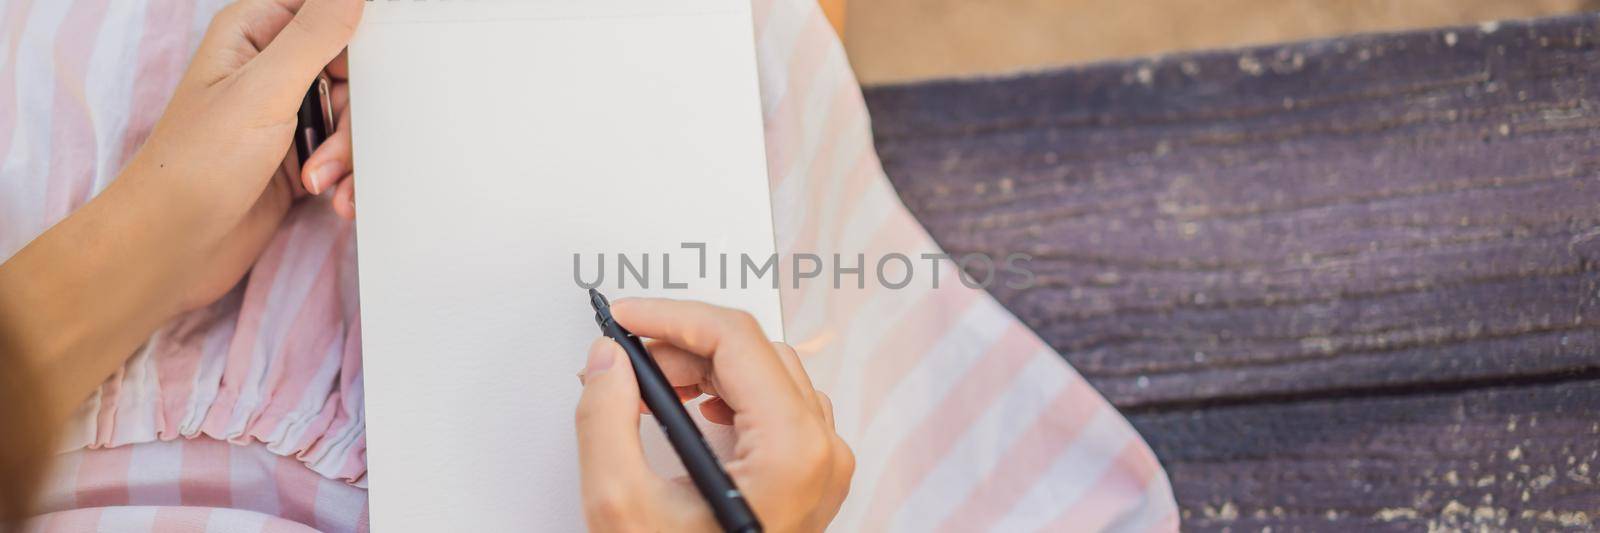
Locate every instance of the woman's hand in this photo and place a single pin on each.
(222, 148)
(330, 167)
(792, 467)
(190, 213)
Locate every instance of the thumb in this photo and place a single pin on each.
(610, 456)
(319, 31)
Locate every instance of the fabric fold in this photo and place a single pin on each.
(276, 361)
(961, 418)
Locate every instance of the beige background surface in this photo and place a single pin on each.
(900, 40)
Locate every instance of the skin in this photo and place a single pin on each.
(788, 460)
(177, 228)
(192, 211)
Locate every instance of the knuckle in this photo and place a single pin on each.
(722, 313)
(735, 321)
(585, 414)
(239, 7)
(799, 459)
(608, 503)
(844, 457)
(229, 14)
(745, 319)
(815, 454)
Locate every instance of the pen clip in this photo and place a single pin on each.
(315, 118)
(325, 97)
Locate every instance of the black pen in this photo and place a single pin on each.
(315, 119)
(732, 512)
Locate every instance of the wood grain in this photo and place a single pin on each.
(1371, 213)
(1497, 459)
(1346, 284)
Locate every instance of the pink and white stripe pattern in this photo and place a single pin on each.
(961, 418)
(81, 85)
(194, 485)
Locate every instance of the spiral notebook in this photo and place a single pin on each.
(504, 148)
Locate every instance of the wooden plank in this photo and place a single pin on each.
(1361, 214)
(1515, 458)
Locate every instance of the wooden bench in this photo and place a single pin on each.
(1338, 284)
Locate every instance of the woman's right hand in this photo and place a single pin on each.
(791, 465)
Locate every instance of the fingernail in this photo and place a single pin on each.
(601, 358)
(324, 176)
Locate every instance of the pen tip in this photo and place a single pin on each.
(597, 300)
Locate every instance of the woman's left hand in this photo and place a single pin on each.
(330, 167)
(223, 146)
(189, 214)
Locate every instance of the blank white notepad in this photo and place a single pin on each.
(482, 132)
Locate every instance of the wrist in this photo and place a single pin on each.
(180, 221)
(81, 298)
(172, 193)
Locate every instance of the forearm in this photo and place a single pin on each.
(81, 298)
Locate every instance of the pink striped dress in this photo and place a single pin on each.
(247, 415)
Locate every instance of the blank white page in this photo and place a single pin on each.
(494, 140)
